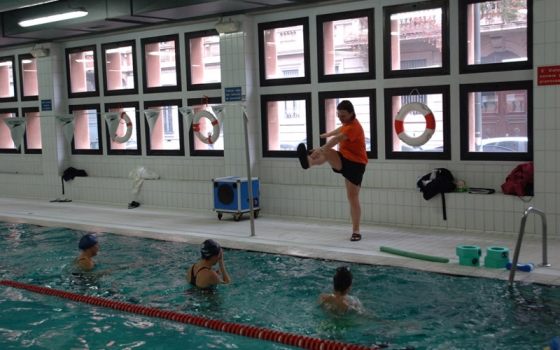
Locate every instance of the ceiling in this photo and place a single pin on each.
(114, 15)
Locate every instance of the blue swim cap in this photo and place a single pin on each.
(209, 248)
(87, 241)
(555, 343)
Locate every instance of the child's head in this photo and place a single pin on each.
(342, 279)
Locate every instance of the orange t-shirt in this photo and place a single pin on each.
(354, 148)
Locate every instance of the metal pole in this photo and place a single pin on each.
(249, 178)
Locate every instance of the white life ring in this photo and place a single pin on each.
(196, 127)
(126, 137)
(430, 124)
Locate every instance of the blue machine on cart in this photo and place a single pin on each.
(231, 195)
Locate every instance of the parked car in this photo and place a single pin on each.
(505, 144)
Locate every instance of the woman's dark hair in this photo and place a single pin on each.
(347, 106)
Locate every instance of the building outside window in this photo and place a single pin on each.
(81, 68)
(32, 141)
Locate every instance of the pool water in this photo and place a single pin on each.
(405, 308)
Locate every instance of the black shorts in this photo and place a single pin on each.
(353, 171)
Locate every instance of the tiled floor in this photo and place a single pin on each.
(286, 235)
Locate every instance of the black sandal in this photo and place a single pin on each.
(302, 155)
(356, 237)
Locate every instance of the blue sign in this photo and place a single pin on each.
(233, 94)
(46, 105)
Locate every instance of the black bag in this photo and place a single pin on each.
(439, 180)
(70, 174)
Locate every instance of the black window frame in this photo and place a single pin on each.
(190, 85)
(306, 79)
(73, 50)
(114, 45)
(206, 152)
(389, 73)
(10, 150)
(135, 118)
(164, 152)
(465, 68)
(264, 122)
(344, 94)
(464, 90)
(15, 97)
(389, 93)
(23, 97)
(328, 78)
(26, 150)
(165, 88)
(88, 106)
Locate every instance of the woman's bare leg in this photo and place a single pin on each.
(353, 193)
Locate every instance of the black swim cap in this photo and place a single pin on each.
(87, 241)
(209, 248)
(342, 278)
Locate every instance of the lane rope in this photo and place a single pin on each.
(300, 341)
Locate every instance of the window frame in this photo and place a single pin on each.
(15, 97)
(164, 152)
(389, 73)
(264, 122)
(21, 79)
(389, 93)
(328, 78)
(345, 94)
(306, 79)
(114, 45)
(159, 39)
(10, 150)
(464, 90)
(25, 110)
(82, 107)
(190, 85)
(73, 50)
(465, 68)
(202, 152)
(135, 119)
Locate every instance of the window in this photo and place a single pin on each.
(364, 107)
(203, 58)
(415, 123)
(119, 68)
(197, 147)
(81, 67)
(164, 132)
(7, 80)
(32, 140)
(497, 121)
(284, 52)
(28, 77)
(87, 130)
(345, 46)
(161, 69)
(286, 123)
(7, 144)
(416, 39)
(495, 35)
(133, 145)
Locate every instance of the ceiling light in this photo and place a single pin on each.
(227, 27)
(77, 13)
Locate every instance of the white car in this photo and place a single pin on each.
(505, 144)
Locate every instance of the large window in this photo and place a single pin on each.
(284, 52)
(164, 131)
(119, 68)
(495, 35)
(7, 80)
(32, 141)
(81, 68)
(161, 69)
(364, 107)
(345, 46)
(417, 125)
(28, 77)
(7, 144)
(133, 145)
(416, 39)
(87, 131)
(206, 129)
(203, 60)
(497, 121)
(286, 122)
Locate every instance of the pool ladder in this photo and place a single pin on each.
(520, 238)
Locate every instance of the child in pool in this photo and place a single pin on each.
(89, 246)
(339, 300)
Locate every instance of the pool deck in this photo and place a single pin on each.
(323, 239)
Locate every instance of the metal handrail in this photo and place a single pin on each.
(520, 238)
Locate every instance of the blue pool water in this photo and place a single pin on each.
(406, 308)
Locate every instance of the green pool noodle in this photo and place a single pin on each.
(414, 255)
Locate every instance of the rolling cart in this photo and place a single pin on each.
(231, 195)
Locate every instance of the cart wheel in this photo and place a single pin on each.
(256, 213)
(219, 216)
(236, 217)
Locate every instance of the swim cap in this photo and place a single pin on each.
(209, 248)
(87, 241)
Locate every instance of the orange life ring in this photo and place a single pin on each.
(128, 134)
(196, 127)
(430, 124)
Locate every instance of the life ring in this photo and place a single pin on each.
(126, 137)
(196, 127)
(430, 124)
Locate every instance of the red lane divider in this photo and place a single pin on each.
(300, 341)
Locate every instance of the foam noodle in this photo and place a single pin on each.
(113, 120)
(152, 116)
(68, 123)
(17, 128)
